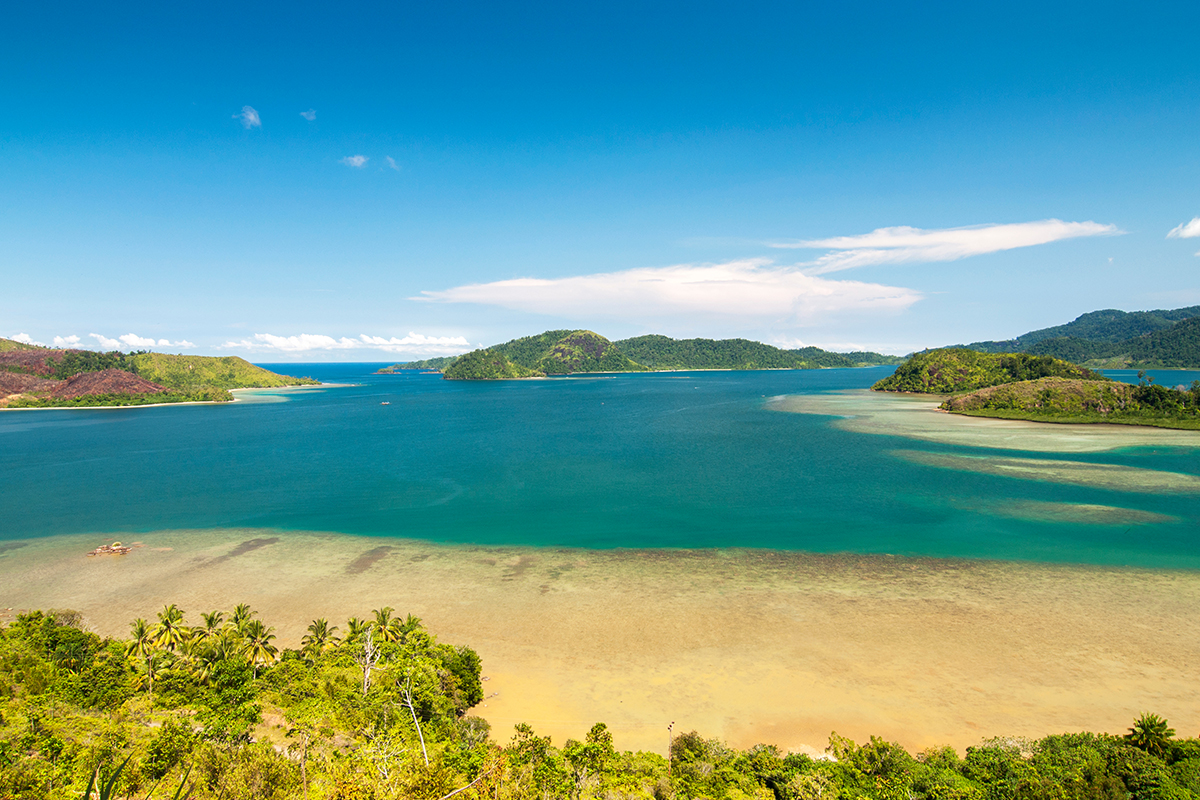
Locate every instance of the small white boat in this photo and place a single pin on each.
(385, 403)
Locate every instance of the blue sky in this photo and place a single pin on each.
(475, 172)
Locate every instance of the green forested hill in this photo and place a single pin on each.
(486, 365)
(585, 351)
(562, 352)
(956, 369)
(1114, 339)
(662, 352)
(1108, 325)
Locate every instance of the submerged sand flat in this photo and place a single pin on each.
(1115, 477)
(747, 645)
(918, 417)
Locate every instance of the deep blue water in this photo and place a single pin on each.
(657, 460)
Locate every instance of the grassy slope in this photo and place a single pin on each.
(9, 344)
(222, 372)
(1065, 400)
(951, 370)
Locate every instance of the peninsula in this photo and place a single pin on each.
(1041, 389)
(565, 352)
(41, 377)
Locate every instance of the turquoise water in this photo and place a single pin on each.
(658, 460)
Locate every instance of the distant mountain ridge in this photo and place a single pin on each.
(564, 352)
(1114, 339)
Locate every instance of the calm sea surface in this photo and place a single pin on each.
(660, 460)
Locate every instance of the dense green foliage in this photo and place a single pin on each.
(73, 362)
(216, 710)
(195, 395)
(662, 352)
(439, 363)
(1065, 400)
(956, 369)
(486, 365)
(1108, 325)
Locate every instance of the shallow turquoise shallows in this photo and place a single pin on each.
(652, 460)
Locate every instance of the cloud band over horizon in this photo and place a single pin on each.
(751, 288)
(905, 244)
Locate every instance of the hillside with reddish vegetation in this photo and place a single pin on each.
(106, 381)
(41, 377)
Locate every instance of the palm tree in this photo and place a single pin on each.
(241, 615)
(320, 637)
(258, 638)
(355, 629)
(170, 632)
(1150, 733)
(389, 629)
(212, 622)
(141, 645)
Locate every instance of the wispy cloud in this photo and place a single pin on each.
(249, 118)
(391, 162)
(355, 161)
(128, 340)
(415, 343)
(66, 342)
(25, 338)
(750, 289)
(1187, 230)
(904, 244)
(309, 115)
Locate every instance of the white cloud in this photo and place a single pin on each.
(249, 118)
(127, 339)
(355, 161)
(1186, 230)
(904, 244)
(66, 342)
(392, 163)
(309, 115)
(415, 343)
(25, 338)
(752, 289)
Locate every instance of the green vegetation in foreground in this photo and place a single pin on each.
(375, 709)
(1062, 400)
(196, 395)
(954, 369)
(1112, 339)
(486, 365)
(565, 352)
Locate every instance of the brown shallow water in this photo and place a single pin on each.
(747, 645)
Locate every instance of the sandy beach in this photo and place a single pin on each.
(750, 646)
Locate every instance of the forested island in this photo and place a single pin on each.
(41, 377)
(1041, 389)
(377, 708)
(565, 352)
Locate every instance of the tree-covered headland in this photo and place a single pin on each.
(1041, 389)
(376, 708)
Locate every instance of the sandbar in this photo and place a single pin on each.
(918, 417)
(747, 645)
